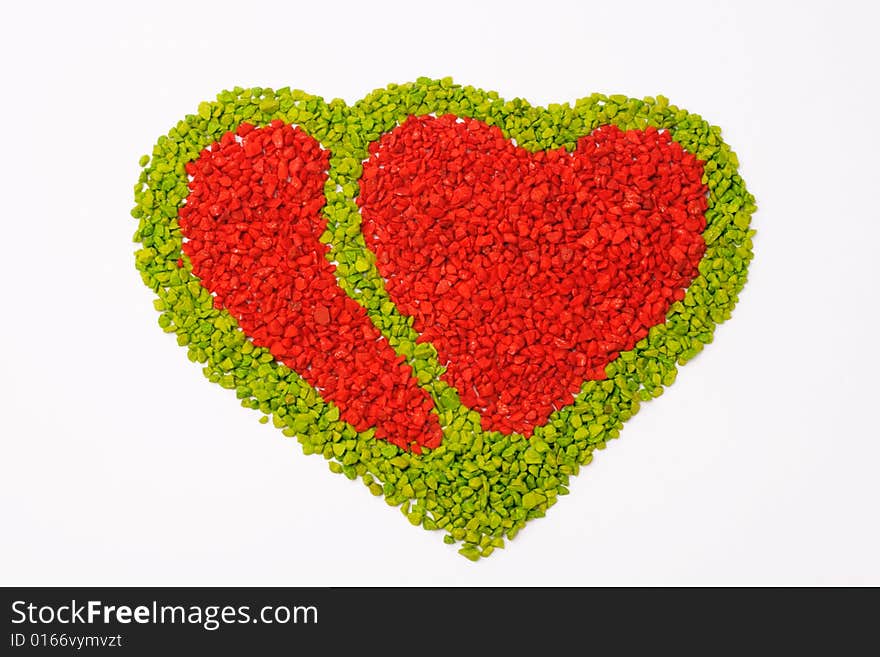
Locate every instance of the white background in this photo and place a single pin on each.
(121, 464)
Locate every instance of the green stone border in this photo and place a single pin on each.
(479, 487)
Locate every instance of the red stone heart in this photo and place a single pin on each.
(530, 272)
(252, 223)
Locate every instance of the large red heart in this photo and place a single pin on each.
(530, 272)
(252, 223)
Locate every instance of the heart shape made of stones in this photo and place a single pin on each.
(530, 272)
(438, 458)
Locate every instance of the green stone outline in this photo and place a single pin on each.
(480, 487)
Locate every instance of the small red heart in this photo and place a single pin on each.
(530, 272)
(252, 223)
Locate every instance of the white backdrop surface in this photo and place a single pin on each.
(122, 465)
